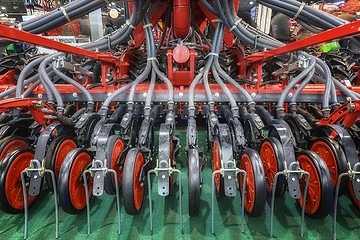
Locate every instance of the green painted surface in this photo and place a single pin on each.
(166, 218)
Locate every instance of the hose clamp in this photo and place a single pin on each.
(235, 24)
(147, 25)
(152, 59)
(212, 54)
(299, 10)
(130, 25)
(216, 20)
(63, 10)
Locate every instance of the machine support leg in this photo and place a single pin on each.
(26, 207)
(87, 197)
(180, 194)
(304, 199)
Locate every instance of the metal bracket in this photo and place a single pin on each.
(98, 170)
(354, 175)
(103, 171)
(230, 179)
(28, 172)
(35, 172)
(292, 177)
(294, 168)
(235, 171)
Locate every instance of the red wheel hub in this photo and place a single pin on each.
(76, 183)
(245, 164)
(326, 153)
(64, 148)
(13, 187)
(12, 146)
(217, 164)
(268, 157)
(138, 186)
(314, 191)
(117, 150)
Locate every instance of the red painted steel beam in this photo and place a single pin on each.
(345, 30)
(347, 114)
(17, 35)
(34, 105)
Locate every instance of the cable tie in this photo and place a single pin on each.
(63, 10)
(235, 25)
(216, 20)
(130, 25)
(147, 25)
(20, 26)
(299, 10)
(212, 54)
(152, 59)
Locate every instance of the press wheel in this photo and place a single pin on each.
(114, 148)
(320, 192)
(333, 155)
(71, 183)
(255, 192)
(272, 156)
(194, 184)
(11, 193)
(133, 188)
(55, 156)
(10, 144)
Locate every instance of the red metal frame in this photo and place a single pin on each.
(345, 30)
(17, 35)
(346, 115)
(34, 105)
(256, 60)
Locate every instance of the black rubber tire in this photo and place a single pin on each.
(280, 158)
(260, 183)
(5, 167)
(50, 158)
(323, 174)
(128, 182)
(70, 161)
(341, 162)
(6, 140)
(194, 184)
(109, 184)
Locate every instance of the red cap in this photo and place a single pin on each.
(181, 54)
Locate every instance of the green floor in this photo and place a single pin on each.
(166, 218)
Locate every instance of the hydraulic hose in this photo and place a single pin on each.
(89, 98)
(24, 73)
(291, 85)
(302, 86)
(147, 106)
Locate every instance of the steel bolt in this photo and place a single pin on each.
(293, 179)
(163, 176)
(74, 94)
(35, 176)
(229, 177)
